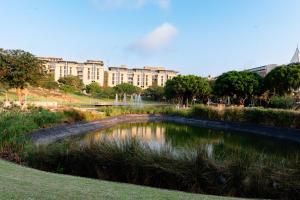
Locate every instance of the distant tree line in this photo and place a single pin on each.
(234, 87)
(19, 69)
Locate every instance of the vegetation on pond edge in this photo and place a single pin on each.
(260, 116)
(15, 125)
(25, 183)
(134, 162)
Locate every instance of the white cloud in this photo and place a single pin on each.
(164, 3)
(119, 4)
(158, 39)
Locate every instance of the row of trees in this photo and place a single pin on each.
(106, 92)
(281, 81)
(19, 69)
(237, 86)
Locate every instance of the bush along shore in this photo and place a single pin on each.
(261, 116)
(16, 125)
(137, 163)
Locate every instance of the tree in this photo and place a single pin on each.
(283, 80)
(185, 88)
(240, 85)
(126, 88)
(18, 69)
(71, 84)
(68, 89)
(155, 93)
(93, 88)
(48, 82)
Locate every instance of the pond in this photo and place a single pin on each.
(216, 144)
(179, 157)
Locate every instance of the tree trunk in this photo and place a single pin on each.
(19, 94)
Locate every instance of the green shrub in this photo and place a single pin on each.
(15, 125)
(262, 116)
(284, 102)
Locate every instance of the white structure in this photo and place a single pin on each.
(296, 57)
(140, 77)
(93, 71)
(263, 70)
(89, 71)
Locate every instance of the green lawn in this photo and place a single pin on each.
(80, 99)
(17, 182)
(74, 99)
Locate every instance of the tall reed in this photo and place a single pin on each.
(135, 162)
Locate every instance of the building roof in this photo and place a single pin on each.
(296, 57)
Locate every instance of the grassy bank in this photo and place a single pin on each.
(15, 125)
(192, 171)
(44, 95)
(19, 182)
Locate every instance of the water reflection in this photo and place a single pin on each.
(154, 136)
(218, 145)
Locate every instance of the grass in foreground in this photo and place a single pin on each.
(19, 182)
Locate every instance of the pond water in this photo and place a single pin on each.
(217, 145)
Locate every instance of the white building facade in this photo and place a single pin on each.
(89, 71)
(140, 77)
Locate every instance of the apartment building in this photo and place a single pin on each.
(93, 71)
(140, 77)
(263, 70)
(89, 71)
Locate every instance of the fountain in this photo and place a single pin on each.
(228, 100)
(131, 99)
(116, 100)
(124, 99)
(139, 99)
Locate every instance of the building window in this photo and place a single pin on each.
(93, 72)
(89, 73)
(65, 70)
(71, 71)
(113, 79)
(60, 71)
(146, 80)
(162, 81)
(138, 80)
(98, 74)
(122, 78)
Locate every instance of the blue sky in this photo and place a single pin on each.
(199, 37)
